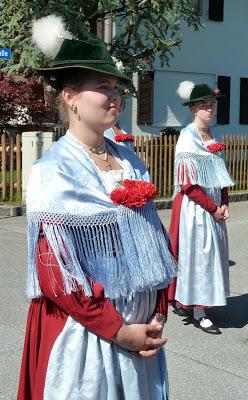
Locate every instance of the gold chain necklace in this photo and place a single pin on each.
(105, 159)
(94, 151)
(205, 134)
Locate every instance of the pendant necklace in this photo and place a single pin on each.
(94, 151)
(205, 134)
(105, 159)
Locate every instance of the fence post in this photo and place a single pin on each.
(34, 144)
(4, 185)
(11, 168)
(18, 165)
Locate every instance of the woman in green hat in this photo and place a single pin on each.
(200, 208)
(98, 258)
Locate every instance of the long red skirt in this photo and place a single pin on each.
(45, 322)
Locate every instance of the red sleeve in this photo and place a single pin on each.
(224, 196)
(95, 313)
(197, 194)
(162, 294)
(162, 302)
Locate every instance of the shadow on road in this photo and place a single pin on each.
(233, 315)
(231, 263)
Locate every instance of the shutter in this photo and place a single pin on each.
(145, 99)
(243, 107)
(216, 10)
(223, 108)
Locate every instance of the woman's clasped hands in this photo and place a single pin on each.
(221, 213)
(142, 339)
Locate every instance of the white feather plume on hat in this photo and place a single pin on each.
(48, 34)
(184, 89)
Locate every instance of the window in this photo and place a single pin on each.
(168, 110)
(243, 108)
(202, 7)
(145, 99)
(198, 5)
(216, 10)
(223, 109)
(100, 28)
(104, 29)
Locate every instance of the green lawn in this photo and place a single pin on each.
(17, 197)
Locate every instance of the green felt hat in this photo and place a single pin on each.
(89, 54)
(201, 93)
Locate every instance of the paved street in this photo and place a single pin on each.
(201, 366)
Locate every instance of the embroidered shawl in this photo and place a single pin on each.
(194, 162)
(122, 248)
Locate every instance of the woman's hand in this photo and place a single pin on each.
(140, 337)
(225, 209)
(155, 320)
(219, 214)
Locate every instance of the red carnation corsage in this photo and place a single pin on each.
(213, 148)
(124, 137)
(133, 193)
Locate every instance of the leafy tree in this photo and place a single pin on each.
(145, 28)
(21, 102)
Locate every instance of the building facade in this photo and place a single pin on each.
(217, 55)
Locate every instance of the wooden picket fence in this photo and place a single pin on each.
(156, 151)
(236, 147)
(11, 168)
(158, 154)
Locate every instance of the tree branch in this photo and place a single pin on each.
(97, 14)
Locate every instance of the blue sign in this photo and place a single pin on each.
(5, 53)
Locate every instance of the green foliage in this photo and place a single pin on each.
(17, 198)
(145, 28)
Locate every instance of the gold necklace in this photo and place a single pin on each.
(105, 159)
(94, 151)
(205, 134)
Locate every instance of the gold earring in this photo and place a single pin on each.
(75, 112)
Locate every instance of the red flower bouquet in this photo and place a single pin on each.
(124, 137)
(213, 148)
(133, 193)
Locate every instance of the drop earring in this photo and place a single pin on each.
(75, 112)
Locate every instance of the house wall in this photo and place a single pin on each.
(220, 48)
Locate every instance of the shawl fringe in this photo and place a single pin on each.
(125, 250)
(208, 171)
